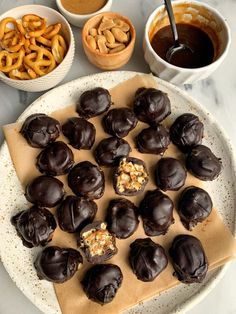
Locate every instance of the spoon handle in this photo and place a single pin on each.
(172, 22)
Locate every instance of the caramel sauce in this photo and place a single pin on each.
(200, 43)
(83, 6)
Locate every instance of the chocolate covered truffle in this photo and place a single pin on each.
(98, 244)
(110, 150)
(189, 259)
(86, 179)
(39, 130)
(74, 213)
(186, 131)
(156, 210)
(147, 259)
(153, 140)
(203, 164)
(130, 177)
(194, 206)
(80, 133)
(170, 174)
(35, 226)
(151, 105)
(122, 218)
(56, 159)
(93, 102)
(101, 282)
(119, 121)
(57, 264)
(45, 191)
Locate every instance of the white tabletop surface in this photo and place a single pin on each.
(217, 93)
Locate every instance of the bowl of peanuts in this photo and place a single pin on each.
(108, 40)
(36, 48)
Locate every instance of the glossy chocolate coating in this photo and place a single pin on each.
(110, 150)
(151, 105)
(203, 164)
(57, 264)
(74, 213)
(186, 131)
(147, 259)
(153, 140)
(156, 210)
(119, 121)
(131, 191)
(101, 282)
(189, 259)
(87, 180)
(93, 102)
(122, 218)
(194, 206)
(56, 159)
(35, 226)
(170, 174)
(39, 130)
(44, 191)
(80, 132)
(102, 245)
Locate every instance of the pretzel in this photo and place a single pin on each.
(52, 30)
(30, 48)
(35, 25)
(3, 25)
(58, 48)
(42, 57)
(17, 74)
(11, 61)
(12, 41)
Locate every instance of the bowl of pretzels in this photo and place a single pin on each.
(36, 48)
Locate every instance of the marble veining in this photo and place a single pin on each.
(217, 93)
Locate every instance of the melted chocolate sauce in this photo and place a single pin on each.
(200, 43)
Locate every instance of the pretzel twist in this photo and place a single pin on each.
(13, 41)
(10, 61)
(58, 48)
(41, 58)
(19, 75)
(3, 25)
(35, 25)
(52, 30)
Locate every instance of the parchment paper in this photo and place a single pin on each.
(217, 240)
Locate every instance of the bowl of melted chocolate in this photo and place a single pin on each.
(200, 27)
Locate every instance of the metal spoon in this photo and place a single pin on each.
(177, 47)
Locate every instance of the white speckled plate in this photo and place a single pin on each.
(18, 259)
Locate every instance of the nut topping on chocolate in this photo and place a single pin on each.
(97, 243)
(130, 177)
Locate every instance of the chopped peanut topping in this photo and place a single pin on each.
(131, 176)
(98, 241)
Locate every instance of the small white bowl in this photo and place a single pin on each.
(195, 13)
(57, 75)
(78, 19)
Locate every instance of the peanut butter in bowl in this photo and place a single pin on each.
(83, 6)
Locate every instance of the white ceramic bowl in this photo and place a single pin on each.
(79, 19)
(195, 13)
(57, 75)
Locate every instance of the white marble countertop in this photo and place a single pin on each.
(217, 93)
